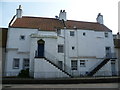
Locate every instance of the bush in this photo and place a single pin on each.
(24, 73)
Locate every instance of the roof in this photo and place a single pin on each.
(86, 25)
(3, 38)
(52, 24)
(38, 22)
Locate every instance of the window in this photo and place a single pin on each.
(16, 63)
(112, 61)
(106, 34)
(72, 33)
(84, 34)
(60, 64)
(22, 37)
(73, 64)
(107, 48)
(73, 47)
(25, 63)
(58, 32)
(60, 49)
(82, 63)
(108, 51)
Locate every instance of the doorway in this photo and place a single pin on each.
(113, 69)
(41, 48)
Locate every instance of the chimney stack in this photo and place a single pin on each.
(19, 12)
(62, 15)
(100, 18)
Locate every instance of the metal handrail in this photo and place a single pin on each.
(107, 56)
(110, 56)
(55, 60)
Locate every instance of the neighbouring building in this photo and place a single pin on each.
(3, 40)
(117, 50)
(57, 47)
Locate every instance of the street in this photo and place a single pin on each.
(99, 85)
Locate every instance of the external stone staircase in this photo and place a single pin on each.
(107, 58)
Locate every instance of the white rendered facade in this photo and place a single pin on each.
(90, 47)
(75, 51)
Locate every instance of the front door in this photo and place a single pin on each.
(25, 63)
(113, 67)
(40, 48)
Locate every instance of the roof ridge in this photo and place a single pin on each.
(83, 21)
(38, 17)
(58, 19)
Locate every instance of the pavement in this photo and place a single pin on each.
(98, 85)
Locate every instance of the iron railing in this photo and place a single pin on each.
(55, 60)
(107, 56)
(110, 56)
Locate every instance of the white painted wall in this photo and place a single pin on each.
(44, 69)
(17, 48)
(14, 39)
(9, 64)
(50, 45)
(90, 47)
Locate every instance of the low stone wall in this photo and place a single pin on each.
(59, 81)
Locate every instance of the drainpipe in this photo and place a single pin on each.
(64, 44)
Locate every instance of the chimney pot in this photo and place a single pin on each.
(19, 12)
(99, 18)
(62, 15)
(19, 6)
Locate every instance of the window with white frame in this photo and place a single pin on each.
(73, 64)
(60, 48)
(25, 63)
(72, 33)
(106, 34)
(16, 63)
(22, 37)
(82, 63)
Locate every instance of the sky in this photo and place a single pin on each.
(80, 10)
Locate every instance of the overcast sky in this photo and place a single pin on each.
(80, 10)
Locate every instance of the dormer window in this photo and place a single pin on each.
(22, 37)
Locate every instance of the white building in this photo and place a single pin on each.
(57, 47)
